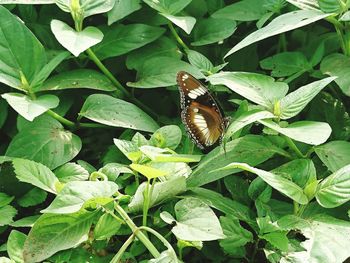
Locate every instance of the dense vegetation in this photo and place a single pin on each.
(95, 164)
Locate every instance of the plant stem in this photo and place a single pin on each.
(61, 119)
(256, 246)
(177, 37)
(118, 256)
(292, 145)
(141, 236)
(146, 202)
(294, 76)
(295, 208)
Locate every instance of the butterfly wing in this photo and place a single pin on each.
(200, 113)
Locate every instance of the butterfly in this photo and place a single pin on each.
(201, 115)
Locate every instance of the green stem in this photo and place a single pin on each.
(292, 145)
(118, 256)
(339, 30)
(160, 237)
(61, 119)
(301, 210)
(141, 236)
(146, 202)
(177, 37)
(295, 208)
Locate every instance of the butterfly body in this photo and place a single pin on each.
(200, 113)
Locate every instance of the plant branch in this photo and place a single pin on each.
(141, 236)
(61, 119)
(118, 256)
(292, 145)
(177, 37)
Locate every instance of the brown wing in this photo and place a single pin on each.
(203, 124)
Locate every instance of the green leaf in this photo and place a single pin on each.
(71, 172)
(186, 23)
(36, 174)
(167, 256)
(33, 197)
(258, 88)
(281, 184)
(121, 9)
(161, 192)
(153, 74)
(162, 155)
(5, 199)
(199, 60)
(106, 227)
(326, 239)
(345, 17)
(221, 203)
(246, 10)
(285, 64)
(22, 53)
(296, 101)
(30, 108)
(75, 42)
(7, 213)
(129, 149)
(148, 171)
(121, 39)
(280, 24)
(277, 239)
(167, 137)
(45, 72)
(4, 112)
(338, 65)
(55, 232)
(245, 119)
(162, 47)
(195, 221)
(309, 132)
(25, 221)
(54, 146)
(78, 79)
(334, 155)
(15, 244)
(250, 149)
(116, 113)
(89, 7)
(74, 195)
(330, 6)
(212, 30)
(173, 169)
(334, 190)
(236, 235)
(305, 4)
(168, 6)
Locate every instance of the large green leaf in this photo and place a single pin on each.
(258, 88)
(335, 154)
(22, 53)
(281, 184)
(296, 101)
(327, 239)
(338, 65)
(30, 108)
(162, 47)
(250, 149)
(7, 213)
(246, 10)
(121, 9)
(121, 39)
(195, 221)
(78, 79)
(153, 74)
(75, 42)
(36, 174)
(71, 172)
(186, 23)
(15, 245)
(45, 141)
(310, 132)
(55, 232)
(305, 4)
(335, 189)
(212, 30)
(89, 7)
(117, 113)
(75, 194)
(280, 24)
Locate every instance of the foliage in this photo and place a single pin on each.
(95, 165)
